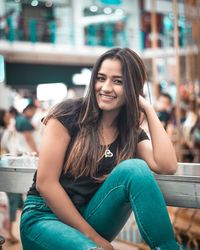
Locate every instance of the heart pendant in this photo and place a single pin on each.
(108, 153)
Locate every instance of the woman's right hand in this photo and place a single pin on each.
(100, 241)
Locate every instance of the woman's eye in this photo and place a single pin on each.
(117, 81)
(100, 78)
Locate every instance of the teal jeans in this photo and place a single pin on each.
(130, 187)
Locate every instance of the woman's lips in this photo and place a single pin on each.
(107, 97)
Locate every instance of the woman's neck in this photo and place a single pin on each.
(108, 120)
(108, 128)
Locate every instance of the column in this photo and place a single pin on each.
(77, 16)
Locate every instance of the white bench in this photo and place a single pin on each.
(179, 190)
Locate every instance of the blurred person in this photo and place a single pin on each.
(190, 132)
(164, 108)
(4, 205)
(24, 126)
(195, 138)
(5, 118)
(7, 146)
(166, 113)
(95, 165)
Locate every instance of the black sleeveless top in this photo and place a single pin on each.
(82, 189)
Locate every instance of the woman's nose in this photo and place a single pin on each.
(107, 86)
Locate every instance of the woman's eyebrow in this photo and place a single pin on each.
(119, 76)
(115, 76)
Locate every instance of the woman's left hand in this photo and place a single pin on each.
(143, 103)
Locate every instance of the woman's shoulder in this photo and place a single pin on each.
(142, 135)
(69, 105)
(68, 113)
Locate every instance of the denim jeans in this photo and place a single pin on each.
(130, 187)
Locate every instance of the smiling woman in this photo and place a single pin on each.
(95, 165)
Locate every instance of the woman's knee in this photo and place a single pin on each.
(133, 168)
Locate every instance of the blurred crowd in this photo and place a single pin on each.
(190, 125)
(19, 135)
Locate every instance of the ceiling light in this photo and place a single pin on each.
(48, 3)
(107, 10)
(34, 3)
(119, 12)
(93, 8)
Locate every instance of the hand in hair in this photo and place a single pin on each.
(143, 103)
(154, 152)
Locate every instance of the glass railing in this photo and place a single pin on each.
(32, 30)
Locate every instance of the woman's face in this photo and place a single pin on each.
(109, 87)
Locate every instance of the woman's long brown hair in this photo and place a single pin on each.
(84, 155)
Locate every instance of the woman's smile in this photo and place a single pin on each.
(107, 98)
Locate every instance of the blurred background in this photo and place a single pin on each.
(48, 48)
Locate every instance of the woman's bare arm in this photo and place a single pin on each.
(53, 147)
(159, 152)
